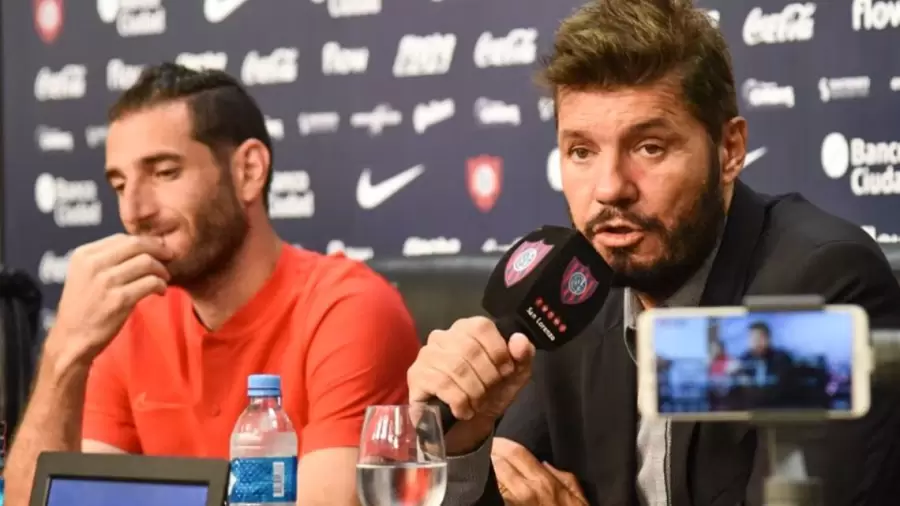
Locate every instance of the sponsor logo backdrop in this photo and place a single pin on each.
(411, 128)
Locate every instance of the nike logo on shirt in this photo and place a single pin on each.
(217, 11)
(370, 196)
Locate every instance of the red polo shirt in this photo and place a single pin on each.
(338, 334)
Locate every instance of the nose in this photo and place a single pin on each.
(613, 185)
(137, 205)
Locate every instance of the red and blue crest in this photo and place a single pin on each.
(578, 284)
(526, 257)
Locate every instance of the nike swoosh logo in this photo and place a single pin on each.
(217, 11)
(754, 155)
(370, 196)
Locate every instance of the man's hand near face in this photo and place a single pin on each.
(106, 279)
(524, 481)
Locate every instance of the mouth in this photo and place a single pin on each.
(618, 235)
(163, 235)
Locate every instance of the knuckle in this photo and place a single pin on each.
(428, 355)
(146, 261)
(434, 336)
(82, 259)
(481, 325)
(104, 279)
(446, 385)
(545, 487)
(413, 375)
(515, 450)
(459, 369)
(500, 449)
(116, 298)
(454, 397)
(524, 492)
(472, 351)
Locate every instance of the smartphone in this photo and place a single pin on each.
(730, 364)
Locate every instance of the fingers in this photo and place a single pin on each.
(128, 295)
(491, 345)
(135, 268)
(569, 482)
(524, 477)
(133, 245)
(102, 244)
(521, 350)
(512, 450)
(512, 484)
(461, 365)
(448, 379)
(116, 249)
(464, 354)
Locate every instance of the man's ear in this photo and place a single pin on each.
(733, 149)
(251, 163)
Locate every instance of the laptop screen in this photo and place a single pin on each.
(96, 492)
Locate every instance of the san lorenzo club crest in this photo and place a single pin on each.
(48, 19)
(578, 284)
(526, 257)
(484, 175)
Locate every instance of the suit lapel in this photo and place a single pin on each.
(725, 286)
(610, 401)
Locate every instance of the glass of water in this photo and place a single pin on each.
(401, 457)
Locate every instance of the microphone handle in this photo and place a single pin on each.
(506, 326)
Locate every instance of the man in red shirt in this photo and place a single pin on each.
(157, 330)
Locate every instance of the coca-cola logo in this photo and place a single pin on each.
(795, 23)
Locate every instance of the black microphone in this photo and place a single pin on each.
(549, 286)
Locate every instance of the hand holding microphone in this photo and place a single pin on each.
(475, 372)
(546, 289)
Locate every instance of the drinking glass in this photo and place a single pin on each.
(401, 457)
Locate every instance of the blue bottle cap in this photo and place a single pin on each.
(264, 385)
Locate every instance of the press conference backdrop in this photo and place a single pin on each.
(411, 128)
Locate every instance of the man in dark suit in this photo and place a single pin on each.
(652, 146)
(765, 376)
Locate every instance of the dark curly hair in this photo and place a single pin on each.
(223, 114)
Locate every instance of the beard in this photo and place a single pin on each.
(685, 248)
(220, 229)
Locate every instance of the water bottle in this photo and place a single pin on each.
(263, 449)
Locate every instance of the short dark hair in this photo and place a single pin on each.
(609, 44)
(223, 114)
(762, 327)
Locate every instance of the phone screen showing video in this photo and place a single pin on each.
(759, 361)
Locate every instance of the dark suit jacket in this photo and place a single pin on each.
(579, 411)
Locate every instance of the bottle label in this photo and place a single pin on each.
(263, 480)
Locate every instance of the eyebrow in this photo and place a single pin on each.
(650, 124)
(638, 128)
(147, 161)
